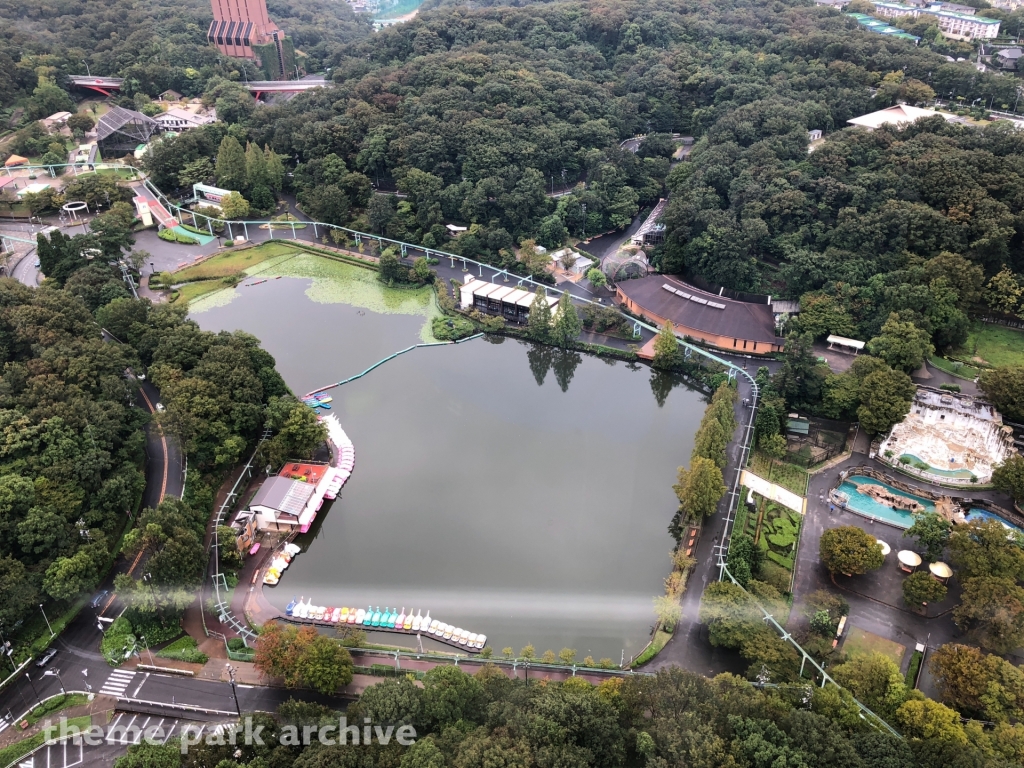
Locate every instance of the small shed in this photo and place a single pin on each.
(798, 425)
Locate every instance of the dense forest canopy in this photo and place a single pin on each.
(155, 45)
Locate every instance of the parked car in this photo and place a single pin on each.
(36, 263)
(46, 658)
(100, 598)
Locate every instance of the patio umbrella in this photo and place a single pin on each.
(909, 559)
(886, 549)
(940, 571)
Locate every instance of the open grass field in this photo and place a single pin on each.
(860, 641)
(995, 344)
(234, 262)
(789, 476)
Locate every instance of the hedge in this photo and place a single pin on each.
(176, 237)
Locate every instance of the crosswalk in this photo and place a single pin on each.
(118, 681)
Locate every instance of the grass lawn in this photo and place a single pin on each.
(55, 705)
(860, 641)
(995, 344)
(191, 291)
(949, 366)
(789, 476)
(233, 262)
(654, 648)
(20, 748)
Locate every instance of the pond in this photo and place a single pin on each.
(510, 489)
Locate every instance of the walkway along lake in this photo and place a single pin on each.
(510, 489)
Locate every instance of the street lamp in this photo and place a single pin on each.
(46, 620)
(29, 678)
(87, 68)
(55, 673)
(146, 645)
(234, 693)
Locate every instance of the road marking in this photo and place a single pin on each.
(144, 679)
(117, 682)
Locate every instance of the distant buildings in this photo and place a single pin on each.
(56, 120)
(880, 27)
(242, 29)
(175, 119)
(957, 25)
(899, 115)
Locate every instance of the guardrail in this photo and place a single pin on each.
(166, 670)
(123, 700)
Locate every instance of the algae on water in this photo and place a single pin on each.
(335, 282)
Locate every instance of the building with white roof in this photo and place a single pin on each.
(502, 299)
(176, 119)
(897, 116)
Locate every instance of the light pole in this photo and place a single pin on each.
(46, 619)
(234, 693)
(29, 678)
(85, 676)
(55, 673)
(7, 650)
(583, 207)
(87, 68)
(146, 644)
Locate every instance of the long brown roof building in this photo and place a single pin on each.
(736, 326)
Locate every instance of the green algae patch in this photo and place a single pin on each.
(335, 282)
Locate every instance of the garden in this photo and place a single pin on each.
(774, 531)
(789, 476)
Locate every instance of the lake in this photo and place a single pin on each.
(512, 490)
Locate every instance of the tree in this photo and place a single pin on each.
(772, 446)
(234, 206)
(801, 377)
(567, 324)
(390, 267)
(538, 324)
(150, 754)
(324, 665)
(450, 695)
(699, 487)
(81, 123)
(901, 344)
(981, 548)
(745, 558)
(113, 230)
(875, 680)
(667, 354)
(230, 167)
(922, 587)
(596, 278)
(1008, 477)
(48, 99)
(927, 719)
(527, 652)
(730, 613)
(885, 398)
(20, 595)
(932, 532)
(710, 442)
(1004, 292)
(379, 212)
(274, 169)
(849, 550)
(983, 685)
(199, 171)
(1004, 388)
(992, 608)
(256, 174)
(69, 577)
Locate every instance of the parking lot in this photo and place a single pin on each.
(125, 729)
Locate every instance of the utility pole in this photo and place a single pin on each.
(583, 207)
(46, 619)
(234, 693)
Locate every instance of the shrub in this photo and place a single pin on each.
(184, 649)
(176, 237)
(785, 562)
(114, 640)
(776, 575)
(236, 644)
(451, 328)
(950, 387)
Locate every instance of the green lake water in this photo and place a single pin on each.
(510, 489)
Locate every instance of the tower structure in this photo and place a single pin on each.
(242, 29)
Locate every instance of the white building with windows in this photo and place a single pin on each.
(954, 25)
(175, 119)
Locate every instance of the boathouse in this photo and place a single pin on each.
(291, 498)
(501, 299)
(731, 324)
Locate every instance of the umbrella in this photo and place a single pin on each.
(886, 549)
(908, 558)
(940, 571)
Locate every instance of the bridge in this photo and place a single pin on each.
(107, 85)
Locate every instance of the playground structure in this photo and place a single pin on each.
(948, 438)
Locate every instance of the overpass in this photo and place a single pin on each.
(107, 85)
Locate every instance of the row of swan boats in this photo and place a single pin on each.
(386, 619)
(280, 563)
(319, 401)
